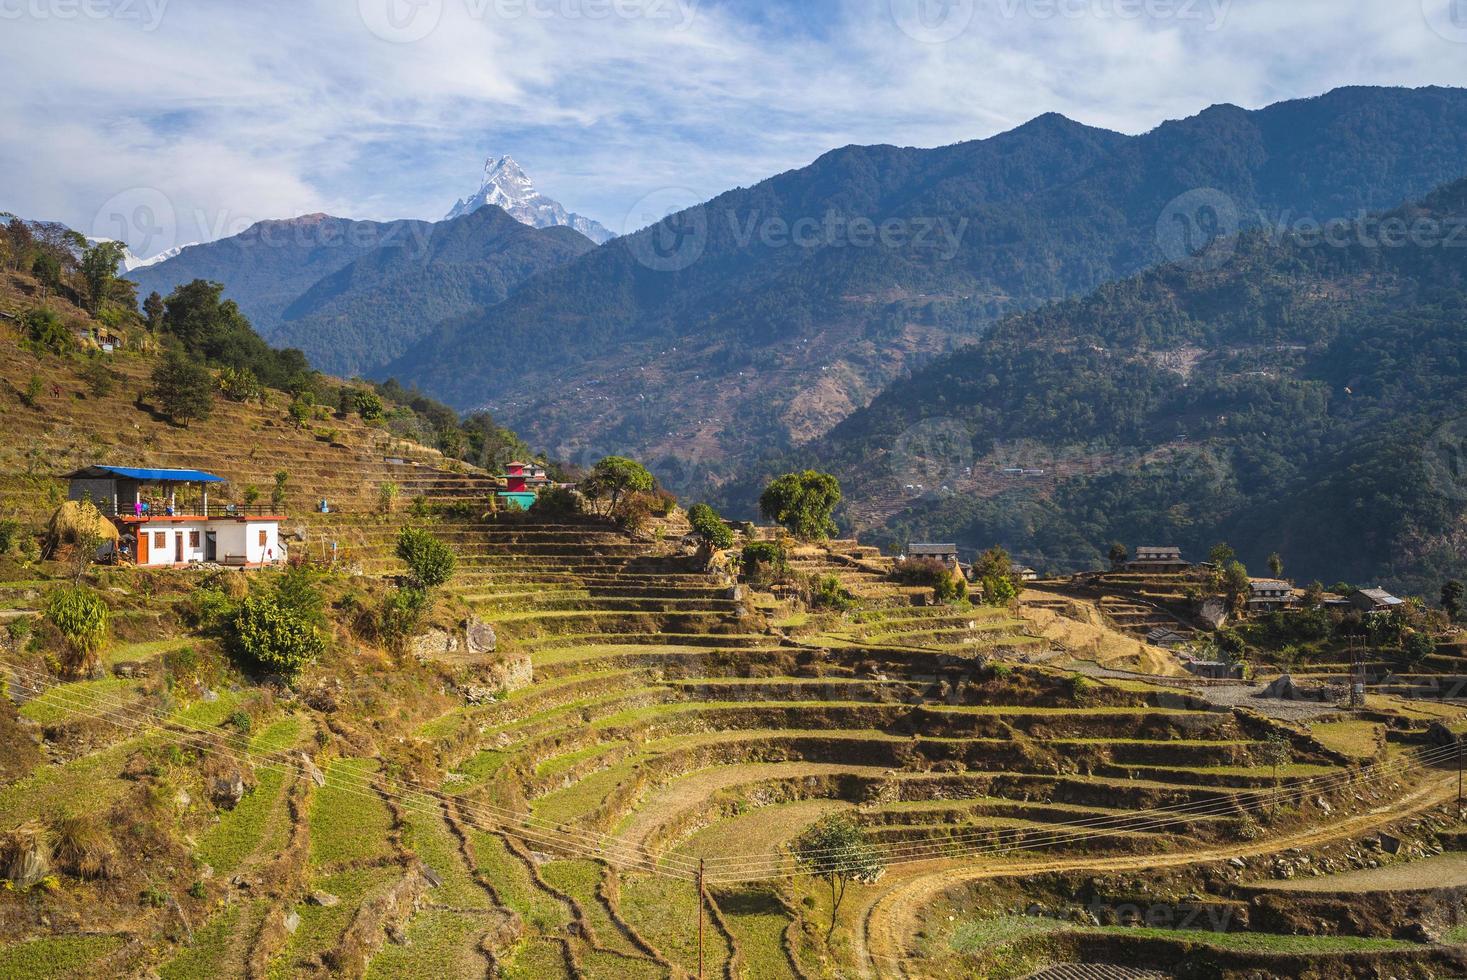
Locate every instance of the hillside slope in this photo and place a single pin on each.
(355, 294)
(1304, 397)
(765, 316)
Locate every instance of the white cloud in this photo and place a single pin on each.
(241, 111)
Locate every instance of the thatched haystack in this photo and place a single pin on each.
(78, 521)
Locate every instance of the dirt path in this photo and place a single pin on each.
(889, 918)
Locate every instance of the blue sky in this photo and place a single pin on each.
(191, 119)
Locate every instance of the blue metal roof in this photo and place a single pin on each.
(159, 476)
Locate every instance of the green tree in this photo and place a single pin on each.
(239, 384)
(838, 851)
(710, 527)
(614, 480)
(803, 503)
(46, 331)
(183, 388)
(1277, 753)
(153, 308)
(999, 590)
(430, 562)
(274, 637)
(98, 377)
(1452, 594)
(1118, 555)
(277, 492)
(1233, 582)
(1221, 554)
(99, 269)
(1417, 646)
(1276, 565)
(82, 618)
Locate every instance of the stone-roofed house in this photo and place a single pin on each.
(945, 553)
(1374, 600)
(1151, 558)
(1269, 594)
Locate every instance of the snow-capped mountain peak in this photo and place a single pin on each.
(506, 185)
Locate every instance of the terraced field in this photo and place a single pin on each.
(398, 820)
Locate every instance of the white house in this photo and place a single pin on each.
(166, 519)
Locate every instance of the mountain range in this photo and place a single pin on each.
(1302, 397)
(506, 185)
(352, 295)
(751, 331)
(767, 315)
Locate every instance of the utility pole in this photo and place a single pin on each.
(702, 861)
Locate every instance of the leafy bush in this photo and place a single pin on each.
(81, 846)
(430, 562)
(82, 618)
(275, 638)
(368, 406)
(921, 571)
(832, 595)
(9, 531)
(387, 497)
(557, 502)
(399, 616)
(46, 332)
(710, 527)
(239, 384)
(764, 559)
(99, 378)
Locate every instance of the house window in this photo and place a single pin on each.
(262, 538)
(193, 539)
(160, 539)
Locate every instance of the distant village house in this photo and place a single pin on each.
(165, 519)
(1158, 559)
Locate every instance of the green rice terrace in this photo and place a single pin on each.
(586, 722)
